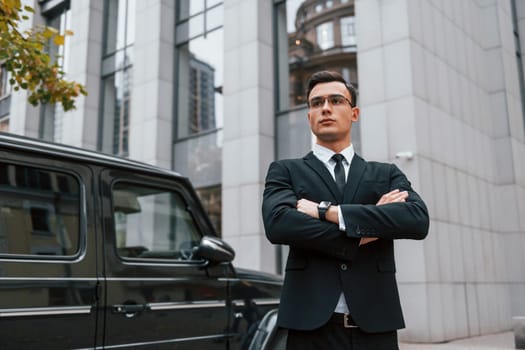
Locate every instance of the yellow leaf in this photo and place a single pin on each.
(69, 32)
(58, 40)
(48, 32)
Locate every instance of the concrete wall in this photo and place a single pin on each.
(248, 145)
(151, 114)
(439, 78)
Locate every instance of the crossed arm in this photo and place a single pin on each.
(310, 208)
(295, 223)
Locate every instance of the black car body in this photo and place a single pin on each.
(102, 252)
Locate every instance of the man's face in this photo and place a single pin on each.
(331, 122)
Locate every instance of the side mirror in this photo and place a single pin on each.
(214, 249)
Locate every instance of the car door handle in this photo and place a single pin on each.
(129, 310)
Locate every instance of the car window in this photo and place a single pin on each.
(152, 223)
(39, 212)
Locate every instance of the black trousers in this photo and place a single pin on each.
(334, 336)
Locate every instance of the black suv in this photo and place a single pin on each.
(102, 252)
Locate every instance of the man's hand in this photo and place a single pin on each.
(394, 196)
(308, 207)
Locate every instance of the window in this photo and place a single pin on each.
(37, 217)
(348, 31)
(5, 87)
(152, 223)
(307, 48)
(120, 23)
(197, 147)
(325, 35)
(199, 66)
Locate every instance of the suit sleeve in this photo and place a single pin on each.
(407, 220)
(285, 225)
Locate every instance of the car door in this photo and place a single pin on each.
(157, 295)
(48, 280)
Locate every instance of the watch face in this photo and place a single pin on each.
(324, 204)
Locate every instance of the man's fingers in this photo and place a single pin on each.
(366, 240)
(393, 197)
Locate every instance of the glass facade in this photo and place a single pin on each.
(310, 36)
(117, 76)
(199, 101)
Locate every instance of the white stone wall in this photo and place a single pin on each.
(80, 126)
(248, 145)
(151, 113)
(439, 78)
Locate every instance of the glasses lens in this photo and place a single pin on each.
(316, 102)
(336, 100)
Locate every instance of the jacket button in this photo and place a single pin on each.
(344, 267)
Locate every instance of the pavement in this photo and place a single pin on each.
(497, 341)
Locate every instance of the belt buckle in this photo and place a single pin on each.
(346, 323)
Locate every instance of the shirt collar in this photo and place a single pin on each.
(325, 154)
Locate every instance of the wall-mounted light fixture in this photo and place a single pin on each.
(408, 155)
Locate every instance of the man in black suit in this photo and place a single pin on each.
(339, 214)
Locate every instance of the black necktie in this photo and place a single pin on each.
(339, 171)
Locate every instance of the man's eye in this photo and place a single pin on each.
(316, 102)
(336, 100)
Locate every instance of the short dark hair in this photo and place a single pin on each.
(327, 76)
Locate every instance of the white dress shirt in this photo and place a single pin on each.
(325, 156)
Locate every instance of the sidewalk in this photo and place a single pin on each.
(498, 341)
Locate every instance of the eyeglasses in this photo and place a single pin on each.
(334, 100)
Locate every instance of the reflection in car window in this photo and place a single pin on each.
(152, 223)
(39, 212)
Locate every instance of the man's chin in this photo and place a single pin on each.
(329, 137)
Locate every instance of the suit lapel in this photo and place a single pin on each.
(324, 174)
(357, 169)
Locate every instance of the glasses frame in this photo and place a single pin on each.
(328, 98)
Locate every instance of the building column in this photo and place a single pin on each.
(84, 57)
(151, 115)
(248, 145)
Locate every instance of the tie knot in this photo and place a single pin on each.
(338, 158)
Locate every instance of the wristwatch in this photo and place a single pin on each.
(322, 208)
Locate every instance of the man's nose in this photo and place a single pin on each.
(326, 104)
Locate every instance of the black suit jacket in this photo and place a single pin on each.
(323, 261)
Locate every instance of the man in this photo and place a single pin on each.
(339, 216)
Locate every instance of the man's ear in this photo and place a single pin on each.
(355, 113)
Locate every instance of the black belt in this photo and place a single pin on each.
(344, 320)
